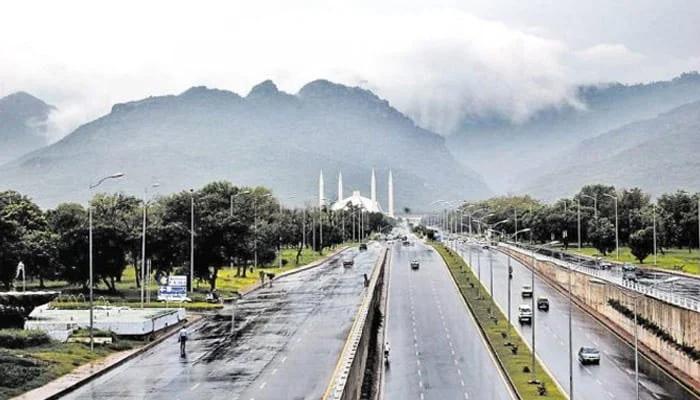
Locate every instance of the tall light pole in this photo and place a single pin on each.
(617, 229)
(255, 228)
(595, 204)
(143, 243)
(578, 225)
(279, 247)
(191, 240)
(231, 215)
(653, 210)
(92, 319)
(532, 283)
(491, 228)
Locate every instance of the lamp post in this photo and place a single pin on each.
(191, 240)
(578, 226)
(617, 229)
(92, 320)
(532, 283)
(255, 228)
(595, 204)
(491, 229)
(231, 215)
(279, 247)
(143, 242)
(653, 210)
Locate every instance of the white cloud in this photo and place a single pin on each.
(437, 64)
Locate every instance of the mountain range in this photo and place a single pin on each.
(658, 154)
(23, 125)
(267, 138)
(513, 156)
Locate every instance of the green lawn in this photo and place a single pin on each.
(32, 367)
(227, 283)
(673, 259)
(499, 333)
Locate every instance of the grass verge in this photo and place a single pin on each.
(509, 348)
(28, 368)
(672, 259)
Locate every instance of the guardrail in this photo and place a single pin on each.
(677, 300)
(346, 381)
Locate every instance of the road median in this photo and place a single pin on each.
(512, 353)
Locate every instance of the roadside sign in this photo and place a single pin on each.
(175, 290)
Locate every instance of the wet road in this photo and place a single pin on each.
(436, 349)
(683, 286)
(285, 346)
(613, 378)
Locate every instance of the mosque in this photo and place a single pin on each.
(356, 199)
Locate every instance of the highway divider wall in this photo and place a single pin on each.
(346, 382)
(597, 297)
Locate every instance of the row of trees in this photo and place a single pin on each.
(676, 216)
(232, 225)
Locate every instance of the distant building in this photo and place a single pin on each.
(356, 199)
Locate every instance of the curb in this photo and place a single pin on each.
(106, 368)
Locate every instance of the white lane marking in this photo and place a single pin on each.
(599, 382)
(466, 395)
(194, 386)
(284, 359)
(420, 384)
(421, 396)
(419, 373)
(461, 381)
(274, 371)
(263, 385)
(459, 371)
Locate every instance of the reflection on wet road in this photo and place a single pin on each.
(613, 378)
(286, 342)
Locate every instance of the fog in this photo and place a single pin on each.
(439, 63)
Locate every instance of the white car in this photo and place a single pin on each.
(524, 314)
(526, 291)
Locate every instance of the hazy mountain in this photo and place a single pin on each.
(506, 153)
(23, 124)
(267, 138)
(659, 155)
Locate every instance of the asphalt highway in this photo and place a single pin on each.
(436, 349)
(613, 378)
(285, 345)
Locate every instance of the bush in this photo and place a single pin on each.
(16, 371)
(21, 339)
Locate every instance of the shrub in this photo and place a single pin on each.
(20, 339)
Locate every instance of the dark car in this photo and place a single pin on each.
(363, 246)
(348, 262)
(415, 264)
(588, 355)
(543, 303)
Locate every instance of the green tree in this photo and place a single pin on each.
(641, 243)
(601, 233)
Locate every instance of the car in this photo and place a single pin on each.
(415, 264)
(363, 246)
(348, 262)
(526, 291)
(588, 355)
(543, 303)
(524, 314)
(406, 243)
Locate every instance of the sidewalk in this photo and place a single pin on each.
(84, 373)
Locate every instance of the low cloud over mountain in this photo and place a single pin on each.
(268, 138)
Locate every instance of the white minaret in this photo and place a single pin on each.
(321, 197)
(373, 188)
(340, 186)
(391, 195)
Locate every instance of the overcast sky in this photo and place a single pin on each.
(436, 61)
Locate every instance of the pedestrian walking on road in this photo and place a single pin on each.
(182, 339)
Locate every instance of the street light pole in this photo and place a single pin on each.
(578, 226)
(191, 240)
(653, 208)
(617, 229)
(92, 319)
(143, 244)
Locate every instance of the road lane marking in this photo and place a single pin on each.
(194, 386)
(284, 359)
(263, 385)
(274, 371)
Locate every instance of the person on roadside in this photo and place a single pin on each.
(182, 339)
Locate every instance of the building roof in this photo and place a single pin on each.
(358, 201)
